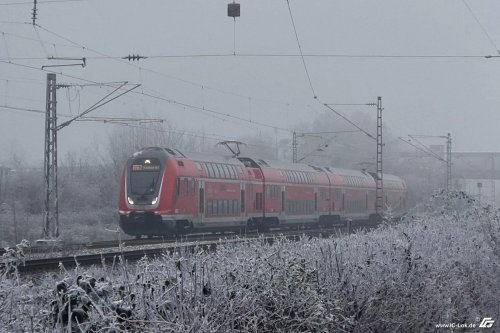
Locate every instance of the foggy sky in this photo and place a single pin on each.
(430, 96)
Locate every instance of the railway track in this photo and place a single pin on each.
(74, 248)
(130, 253)
(61, 247)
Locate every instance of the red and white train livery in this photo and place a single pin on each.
(164, 191)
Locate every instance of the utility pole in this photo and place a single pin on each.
(448, 162)
(379, 191)
(294, 147)
(51, 216)
(493, 199)
(50, 161)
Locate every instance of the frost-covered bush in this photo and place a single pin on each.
(438, 266)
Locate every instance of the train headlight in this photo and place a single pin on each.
(130, 201)
(154, 201)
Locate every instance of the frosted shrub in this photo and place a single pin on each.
(437, 266)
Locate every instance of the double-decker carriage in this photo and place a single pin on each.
(164, 191)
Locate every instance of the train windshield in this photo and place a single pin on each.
(144, 175)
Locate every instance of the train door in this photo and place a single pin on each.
(283, 202)
(316, 201)
(201, 202)
(242, 201)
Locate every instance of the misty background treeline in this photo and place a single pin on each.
(89, 180)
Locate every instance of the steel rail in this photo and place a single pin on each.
(105, 258)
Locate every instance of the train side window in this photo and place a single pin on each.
(177, 187)
(225, 207)
(201, 204)
(211, 172)
(228, 171)
(209, 207)
(315, 201)
(225, 171)
(186, 186)
(242, 199)
(216, 207)
(282, 201)
(258, 200)
(217, 171)
(221, 170)
(232, 174)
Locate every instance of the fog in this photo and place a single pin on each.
(210, 76)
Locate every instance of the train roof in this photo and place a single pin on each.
(390, 181)
(306, 167)
(205, 157)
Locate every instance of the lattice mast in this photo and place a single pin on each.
(448, 162)
(50, 161)
(379, 191)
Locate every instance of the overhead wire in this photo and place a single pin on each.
(171, 77)
(171, 101)
(427, 149)
(300, 49)
(420, 149)
(116, 121)
(485, 32)
(31, 2)
(35, 40)
(277, 55)
(350, 121)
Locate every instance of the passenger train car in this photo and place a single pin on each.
(164, 191)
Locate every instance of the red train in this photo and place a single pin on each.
(164, 191)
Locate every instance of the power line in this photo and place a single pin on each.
(31, 2)
(35, 40)
(481, 26)
(318, 55)
(171, 101)
(168, 100)
(430, 152)
(22, 109)
(422, 150)
(274, 55)
(349, 121)
(300, 49)
(171, 77)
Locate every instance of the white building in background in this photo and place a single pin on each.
(478, 174)
(487, 191)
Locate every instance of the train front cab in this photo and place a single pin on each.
(146, 203)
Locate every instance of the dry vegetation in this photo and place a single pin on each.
(440, 266)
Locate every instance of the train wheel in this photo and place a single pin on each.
(138, 236)
(150, 236)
